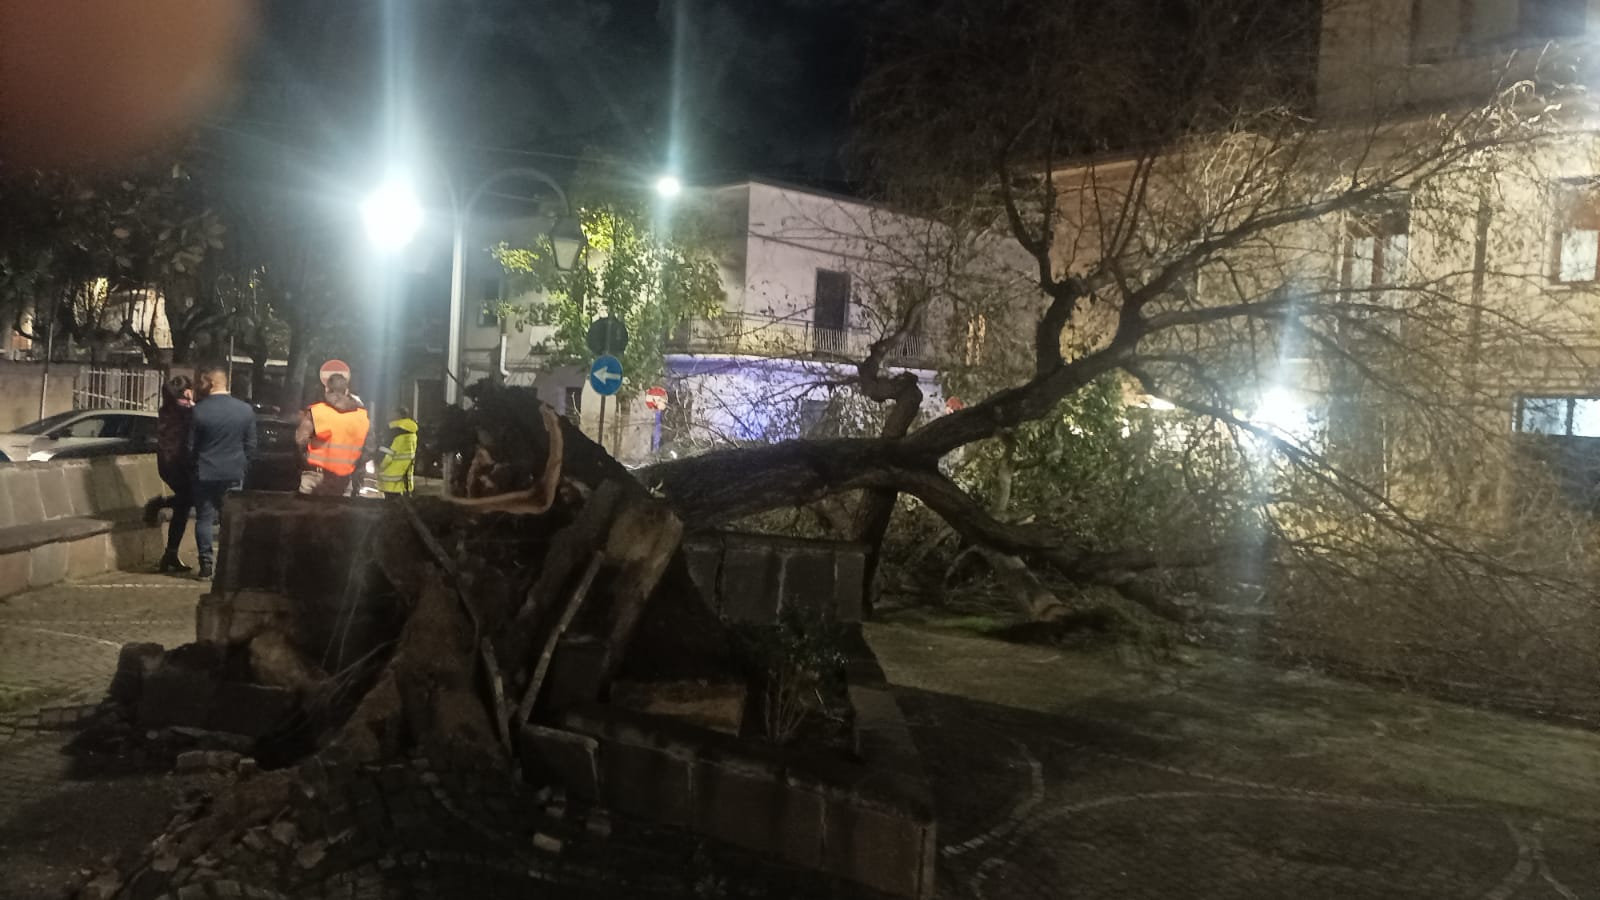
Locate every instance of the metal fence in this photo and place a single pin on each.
(911, 346)
(101, 387)
(830, 340)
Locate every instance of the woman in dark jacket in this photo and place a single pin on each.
(172, 461)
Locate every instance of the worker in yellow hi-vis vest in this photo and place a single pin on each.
(397, 470)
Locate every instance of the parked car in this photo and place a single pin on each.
(81, 433)
(277, 463)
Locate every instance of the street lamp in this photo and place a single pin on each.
(393, 217)
(668, 186)
(458, 258)
(392, 214)
(566, 242)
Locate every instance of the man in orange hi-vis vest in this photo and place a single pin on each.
(333, 433)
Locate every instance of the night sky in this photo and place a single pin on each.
(754, 86)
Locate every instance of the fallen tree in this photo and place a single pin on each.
(1190, 239)
(537, 636)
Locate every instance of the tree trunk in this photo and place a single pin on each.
(258, 374)
(291, 395)
(877, 511)
(1038, 602)
(904, 398)
(1005, 474)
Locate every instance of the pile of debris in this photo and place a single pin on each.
(502, 636)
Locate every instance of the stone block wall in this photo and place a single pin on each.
(285, 563)
(75, 518)
(751, 577)
(869, 821)
(297, 563)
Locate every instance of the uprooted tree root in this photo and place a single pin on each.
(565, 552)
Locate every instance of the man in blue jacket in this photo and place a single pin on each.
(222, 438)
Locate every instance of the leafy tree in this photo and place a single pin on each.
(651, 276)
(83, 240)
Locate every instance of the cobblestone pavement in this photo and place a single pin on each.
(1056, 775)
(58, 650)
(58, 646)
(1075, 775)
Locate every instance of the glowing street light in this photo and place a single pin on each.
(393, 217)
(392, 214)
(668, 186)
(1281, 410)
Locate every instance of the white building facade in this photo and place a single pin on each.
(812, 280)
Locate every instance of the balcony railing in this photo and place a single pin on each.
(794, 337)
(910, 346)
(834, 341)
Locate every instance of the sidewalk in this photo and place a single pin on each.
(1057, 774)
(1073, 774)
(58, 650)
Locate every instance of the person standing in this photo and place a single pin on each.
(222, 441)
(333, 433)
(172, 461)
(397, 469)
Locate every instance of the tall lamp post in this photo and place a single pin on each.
(458, 257)
(393, 216)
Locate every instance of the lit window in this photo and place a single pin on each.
(1377, 247)
(1543, 415)
(1562, 416)
(977, 333)
(1580, 248)
(1576, 245)
(489, 297)
(1586, 417)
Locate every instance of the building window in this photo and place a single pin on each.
(489, 302)
(1560, 416)
(830, 316)
(977, 333)
(912, 343)
(1444, 28)
(815, 420)
(1567, 449)
(1546, 19)
(1377, 247)
(1575, 244)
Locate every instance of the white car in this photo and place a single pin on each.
(80, 433)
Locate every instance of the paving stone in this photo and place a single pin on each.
(1042, 794)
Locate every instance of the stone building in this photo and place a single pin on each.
(1454, 352)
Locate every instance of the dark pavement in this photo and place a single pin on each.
(1057, 774)
(1079, 775)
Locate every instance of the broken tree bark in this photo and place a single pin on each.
(476, 658)
(531, 695)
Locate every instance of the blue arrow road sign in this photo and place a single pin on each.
(605, 375)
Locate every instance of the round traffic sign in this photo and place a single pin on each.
(607, 335)
(655, 399)
(605, 375)
(333, 367)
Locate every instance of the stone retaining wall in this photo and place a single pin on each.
(869, 820)
(291, 563)
(751, 577)
(285, 565)
(75, 518)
